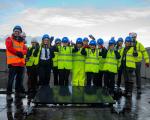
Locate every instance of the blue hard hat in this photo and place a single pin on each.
(128, 39)
(100, 41)
(65, 39)
(79, 41)
(92, 42)
(57, 40)
(112, 41)
(120, 39)
(17, 27)
(45, 36)
(85, 39)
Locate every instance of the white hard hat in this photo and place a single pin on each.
(133, 34)
(34, 40)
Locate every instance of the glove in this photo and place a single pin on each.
(147, 64)
(37, 46)
(75, 49)
(92, 37)
(36, 52)
(51, 39)
(19, 54)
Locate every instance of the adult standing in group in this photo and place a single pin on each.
(110, 67)
(32, 60)
(15, 51)
(45, 60)
(142, 53)
(64, 62)
(55, 61)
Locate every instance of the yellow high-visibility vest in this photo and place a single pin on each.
(92, 61)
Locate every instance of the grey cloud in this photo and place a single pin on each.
(76, 23)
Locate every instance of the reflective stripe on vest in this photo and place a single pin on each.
(11, 58)
(65, 58)
(55, 59)
(92, 61)
(33, 60)
(111, 62)
(130, 59)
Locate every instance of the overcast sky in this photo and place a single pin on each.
(77, 18)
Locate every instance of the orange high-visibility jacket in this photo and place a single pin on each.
(12, 58)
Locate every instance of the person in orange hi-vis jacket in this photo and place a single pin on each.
(15, 51)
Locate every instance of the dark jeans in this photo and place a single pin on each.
(15, 72)
(92, 76)
(119, 76)
(32, 78)
(44, 72)
(56, 75)
(128, 79)
(109, 81)
(64, 77)
(138, 75)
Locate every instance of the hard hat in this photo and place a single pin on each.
(112, 41)
(120, 39)
(23, 34)
(65, 39)
(100, 41)
(34, 40)
(17, 27)
(85, 39)
(57, 40)
(133, 34)
(92, 42)
(128, 39)
(45, 36)
(79, 41)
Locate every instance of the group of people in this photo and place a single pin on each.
(90, 62)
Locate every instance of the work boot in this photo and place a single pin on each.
(9, 98)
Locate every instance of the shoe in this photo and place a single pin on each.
(9, 98)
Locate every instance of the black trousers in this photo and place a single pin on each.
(32, 72)
(92, 76)
(128, 79)
(64, 77)
(100, 78)
(109, 81)
(15, 73)
(56, 75)
(119, 76)
(44, 72)
(138, 75)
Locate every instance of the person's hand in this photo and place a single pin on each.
(19, 54)
(92, 37)
(37, 46)
(147, 64)
(27, 59)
